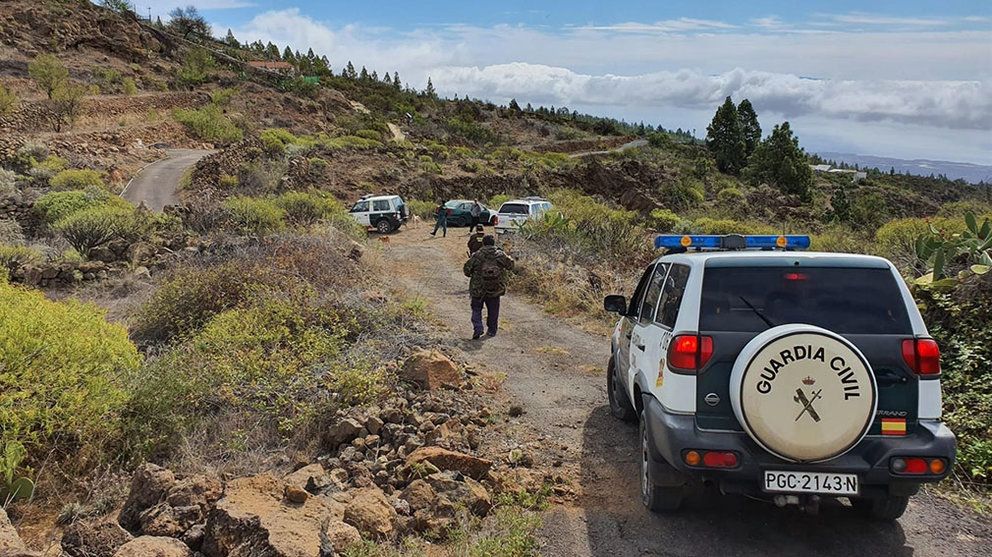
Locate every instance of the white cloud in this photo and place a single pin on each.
(873, 19)
(667, 26)
(957, 104)
(768, 22)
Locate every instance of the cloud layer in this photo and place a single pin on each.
(858, 76)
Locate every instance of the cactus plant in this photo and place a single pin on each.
(970, 250)
(13, 487)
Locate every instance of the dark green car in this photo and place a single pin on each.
(460, 213)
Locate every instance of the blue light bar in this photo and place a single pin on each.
(731, 241)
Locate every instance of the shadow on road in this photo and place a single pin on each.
(709, 523)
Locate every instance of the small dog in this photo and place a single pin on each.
(384, 239)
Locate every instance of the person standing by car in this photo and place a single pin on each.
(487, 270)
(475, 241)
(475, 212)
(441, 219)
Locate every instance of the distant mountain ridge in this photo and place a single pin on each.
(969, 172)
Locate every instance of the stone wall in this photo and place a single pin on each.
(32, 116)
(22, 212)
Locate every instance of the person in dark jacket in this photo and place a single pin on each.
(441, 219)
(487, 269)
(475, 241)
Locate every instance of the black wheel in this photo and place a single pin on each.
(889, 507)
(656, 498)
(384, 226)
(620, 406)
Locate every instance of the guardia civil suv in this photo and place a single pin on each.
(778, 373)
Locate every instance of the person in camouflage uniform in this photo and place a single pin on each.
(487, 269)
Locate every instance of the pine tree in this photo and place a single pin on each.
(158, 22)
(429, 91)
(892, 171)
(749, 127)
(781, 162)
(363, 75)
(725, 139)
(374, 76)
(230, 40)
(271, 51)
(841, 204)
(514, 106)
(396, 81)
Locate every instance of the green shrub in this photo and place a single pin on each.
(55, 206)
(228, 182)
(77, 179)
(896, 239)
(422, 209)
(8, 101)
(496, 201)
(209, 124)
(275, 140)
(960, 208)
(256, 217)
(64, 372)
(369, 134)
(129, 86)
(45, 170)
(351, 142)
(683, 193)
(196, 69)
(706, 225)
(11, 232)
(90, 228)
(223, 96)
(8, 183)
(664, 220)
(839, 238)
(12, 257)
(307, 208)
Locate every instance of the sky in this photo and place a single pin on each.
(907, 79)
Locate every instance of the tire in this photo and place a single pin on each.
(887, 508)
(384, 226)
(656, 499)
(620, 406)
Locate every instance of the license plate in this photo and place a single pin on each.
(811, 482)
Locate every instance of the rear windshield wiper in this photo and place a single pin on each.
(757, 312)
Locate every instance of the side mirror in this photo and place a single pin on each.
(615, 304)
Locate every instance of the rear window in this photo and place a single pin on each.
(514, 209)
(841, 299)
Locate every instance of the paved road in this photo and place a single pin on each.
(157, 183)
(555, 372)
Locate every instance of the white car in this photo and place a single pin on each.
(779, 374)
(385, 213)
(514, 213)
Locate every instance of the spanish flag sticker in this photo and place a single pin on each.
(893, 426)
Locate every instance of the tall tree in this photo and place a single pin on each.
(349, 71)
(287, 55)
(749, 126)
(429, 91)
(125, 7)
(396, 81)
(188, 21)
(725, 139)
(781, 162)
(271, 51)
(374, 76)
(231, 40)
(363, 75)
(49, 73)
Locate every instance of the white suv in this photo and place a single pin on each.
(780, 374)
(514, 213)
(385, 213)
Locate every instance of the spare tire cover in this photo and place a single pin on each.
(803, 393)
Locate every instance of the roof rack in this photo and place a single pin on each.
(730, 242)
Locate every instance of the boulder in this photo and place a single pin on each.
(344, 431)
(253, 518)
(431, 369)
(419, 494)
(312, 478)
(341, 536)
(149, 485)
(93, 539)
(461, 491)
(10, 541)
(152, 546)
(371, 513)
(471, 466)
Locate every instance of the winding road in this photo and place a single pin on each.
(555, 372)
(157, 183)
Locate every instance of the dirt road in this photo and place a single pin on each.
(554, 371)
(156, 184)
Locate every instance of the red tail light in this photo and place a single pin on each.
(689, 353)
(719, 459)
(922, 355)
